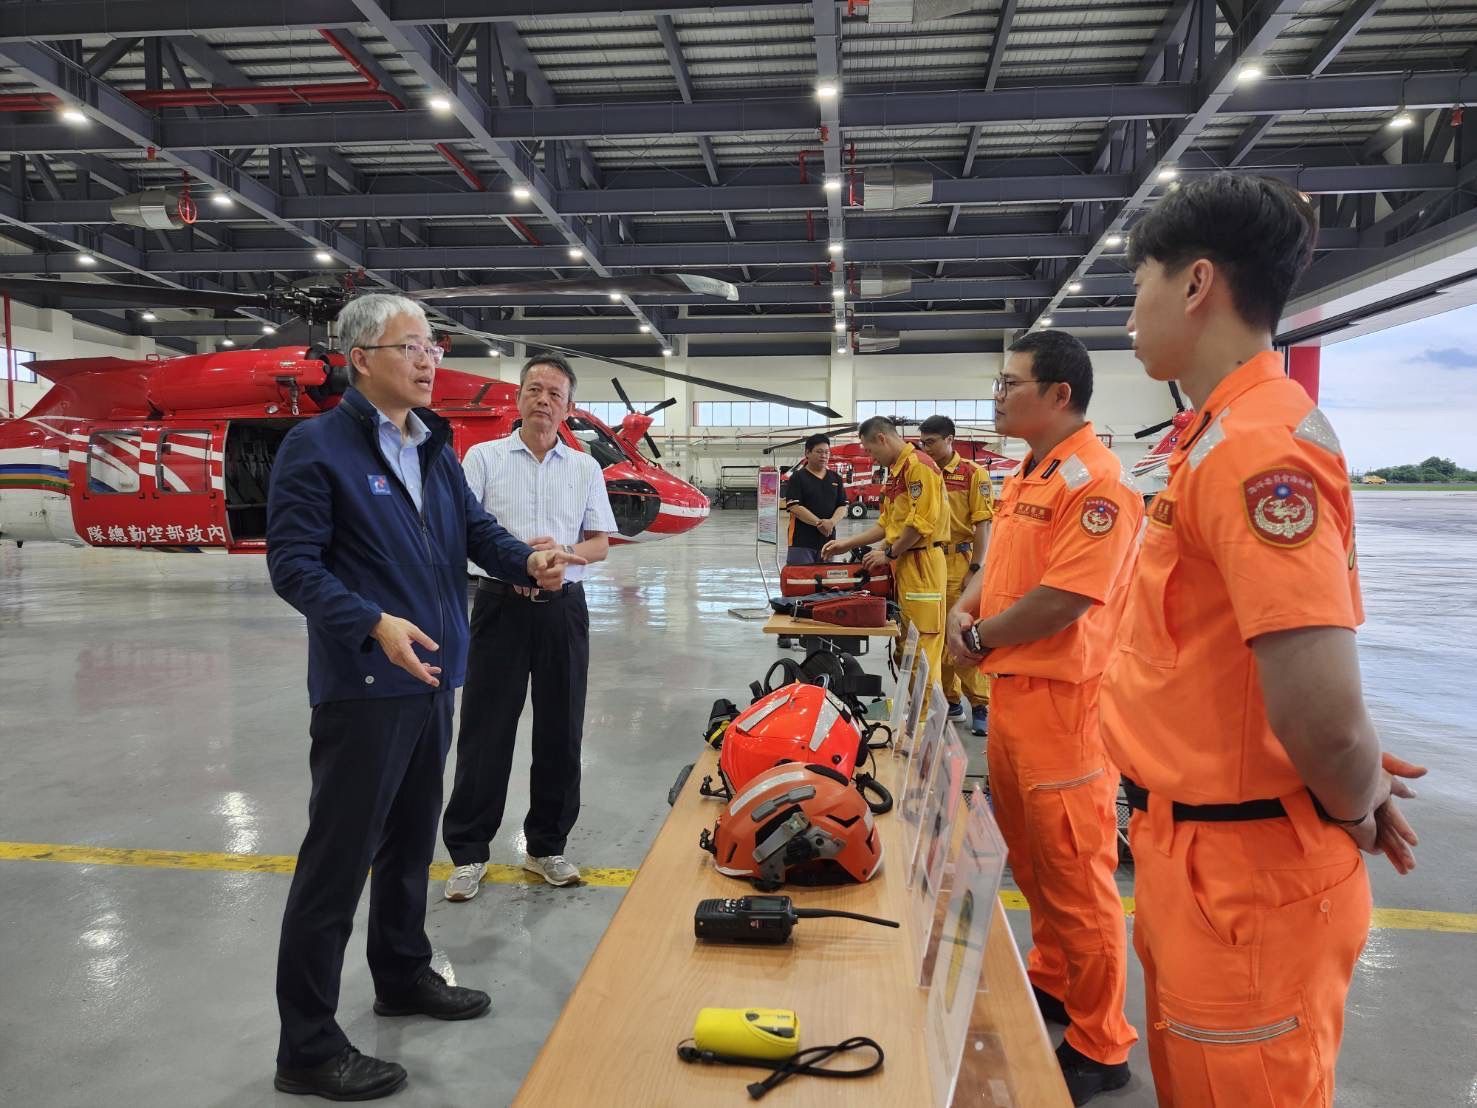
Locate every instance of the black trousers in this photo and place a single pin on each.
(376, 767)
(513, 640)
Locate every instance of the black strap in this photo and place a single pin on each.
(1138, 798)
(804, 1063)
(499, 588)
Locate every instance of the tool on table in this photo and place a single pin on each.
(768, 1038)
(761, 919)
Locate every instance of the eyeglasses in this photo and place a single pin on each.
(413, 351)
(1003, 385)
(928, 442)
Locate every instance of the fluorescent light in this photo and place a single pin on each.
(826, 90)
(268, 329)
(86, 259)
(1075, 286)
(666, 352)
(323, 257)
(842, 350)
(222, 200)
(646, 328)
(228, 342)
(1112, 242)
(616, 296)
(841, 328)
(1403, 120)
(833, 184)
(440, 104)
(1250, 72)
(576, 253)
(834, 248)
(1046, 321)
(74, 117)
(148, 317)
(838, 294)
(520, 192)
(1168, 173)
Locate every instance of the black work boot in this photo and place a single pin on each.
(347, 1076)
(1086, 1078)
(1052, 1009)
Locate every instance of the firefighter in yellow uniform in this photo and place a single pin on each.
(913, 531)
(971, 506)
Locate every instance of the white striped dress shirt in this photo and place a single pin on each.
(563, 496)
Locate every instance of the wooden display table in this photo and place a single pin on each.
(791, 627)
(615, 1043)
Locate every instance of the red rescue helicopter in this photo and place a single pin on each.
(175, 454)
(1151, 472)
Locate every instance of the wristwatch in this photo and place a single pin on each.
(974, 567)
(567, 548)
(887, 552)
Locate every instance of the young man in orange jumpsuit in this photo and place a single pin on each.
(1232, 704)
(913, 527)
(970, 502)
(1047, 608)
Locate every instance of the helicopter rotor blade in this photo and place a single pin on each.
(1154, 430)
(1174, 391)
(622, 394)
(132, 296)
(650, 442)
(663, 406)
(656, 284)
(705, 382)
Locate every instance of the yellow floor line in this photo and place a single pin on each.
(1398, 919)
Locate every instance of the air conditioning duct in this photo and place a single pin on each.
(154, 210)
(885, 280)
(915, 11)
(887, 188)
(872, 339)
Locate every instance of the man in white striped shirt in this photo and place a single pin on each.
(552, 496)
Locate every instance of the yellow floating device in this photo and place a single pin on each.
(765, 1033)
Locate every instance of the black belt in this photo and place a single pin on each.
(961, 547)
(501, 588)
(1138, 798)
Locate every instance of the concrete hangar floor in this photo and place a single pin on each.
(154, 718)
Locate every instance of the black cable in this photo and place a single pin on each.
(866, 783)
(829, 913)
(804, 1063)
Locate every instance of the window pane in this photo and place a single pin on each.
(985, 410)
(704, 413)
(184, 462)
(112, 462)
(903, 409)
(965, 408)
(865, 409)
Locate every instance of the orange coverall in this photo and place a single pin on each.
(1249, 930)
(1070, 523)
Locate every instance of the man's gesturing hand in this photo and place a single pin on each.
(547, 566)
(396, 637)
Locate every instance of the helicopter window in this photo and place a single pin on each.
(112, 462)
(184, 461)
(597, 442)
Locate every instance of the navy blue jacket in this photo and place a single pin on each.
(345, 544)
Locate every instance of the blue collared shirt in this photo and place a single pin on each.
(401, 453)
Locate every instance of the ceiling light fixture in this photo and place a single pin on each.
(1402, 120)
(222, 200)
(1250, 72)
(646, 328)
(838, 294)
(1168, 173)
(268, 329)
(576, 253)
(228, 342)
(826, 90)
(842, 350)
(616, 296)
(440, 104)
(148, 317)
(1075, 286)
(832, 184)
(521, 192)
(834, 248)
(666, 352)
(494, 352)
(1112, 242)
(74, 117)
(323, 257)
(841, 328)
(1046, 321)
(86, 259)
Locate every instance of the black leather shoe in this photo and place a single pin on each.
(1052, 1009)
(349, 1076)
(1086, 1078)
(432, 996)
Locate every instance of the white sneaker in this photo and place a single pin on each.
(465, 882)
(555, 869)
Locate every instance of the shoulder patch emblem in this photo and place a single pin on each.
(915, 489)
(1099, 514)
(1282, 506)
(1161, 511)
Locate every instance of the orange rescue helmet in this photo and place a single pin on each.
(798, 723)
(803, 824)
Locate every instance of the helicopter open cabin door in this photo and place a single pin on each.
(149, 486)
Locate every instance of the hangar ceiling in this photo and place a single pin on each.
(922, 185)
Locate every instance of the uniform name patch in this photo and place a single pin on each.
(1034, 511)
(1282, 506)
(1161, 511)
(379, 484)
(1099, 514)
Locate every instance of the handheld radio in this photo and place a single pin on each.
(760, 919)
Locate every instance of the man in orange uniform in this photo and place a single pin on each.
(971, 504)
(1047, 604)
(1232, 704)
(913, 527)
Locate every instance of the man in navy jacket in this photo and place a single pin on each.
(369, 527)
